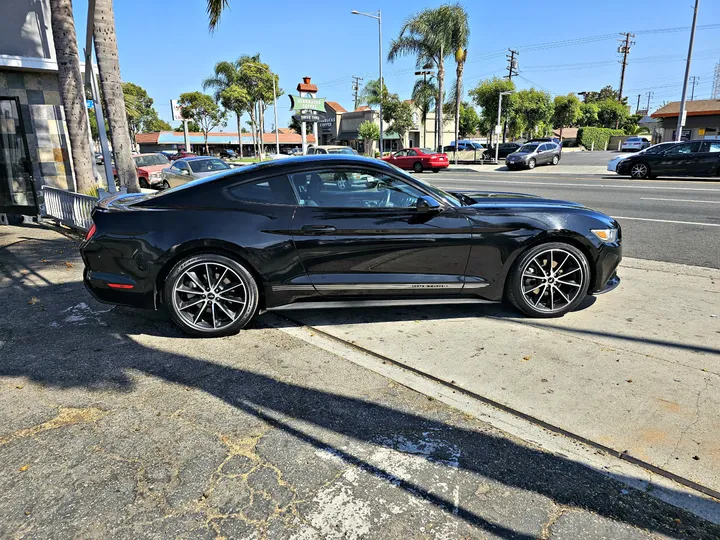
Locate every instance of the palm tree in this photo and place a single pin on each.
(371, 93)
(230, 91)
(423, 95)
(460, 34)
(429, 35)
(72, 92)
(106, 53)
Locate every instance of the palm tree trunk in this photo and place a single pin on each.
(459, 73)
(237, 116)
(207, 151)
(72, 92)
(106, 53)
(439, 104)
(261, 120)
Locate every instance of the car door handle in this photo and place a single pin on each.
(317, 229)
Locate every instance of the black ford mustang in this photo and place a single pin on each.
(218, 250)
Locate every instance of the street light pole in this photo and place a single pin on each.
(497, 143)
(377, 17)
(681, 120)
(277, 131)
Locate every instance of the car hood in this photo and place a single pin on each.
(495, 199)
(153, 168)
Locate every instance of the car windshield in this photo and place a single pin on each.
(657, 148)
(207, 165)
(528, 148)
(150, 159)
(346, 150)
(634, 139)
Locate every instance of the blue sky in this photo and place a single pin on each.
(166, 48)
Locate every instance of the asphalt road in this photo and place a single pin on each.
(664, 220)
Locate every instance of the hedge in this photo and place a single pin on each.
(586, 136)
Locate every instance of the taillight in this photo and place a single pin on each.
(91, 232)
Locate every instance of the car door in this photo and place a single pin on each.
(174, 175)
(708, 158)
(411, 157)
(374, 240)
(398, 159)
(542, 154)
(680, 160)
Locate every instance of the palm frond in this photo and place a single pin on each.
(215, 9)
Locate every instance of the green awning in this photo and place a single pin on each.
(390, 136)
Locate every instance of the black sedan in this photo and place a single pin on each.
(692, 158)
(219, 250)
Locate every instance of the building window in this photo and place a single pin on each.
(17, 191)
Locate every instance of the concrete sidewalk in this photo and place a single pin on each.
(638, 370)
(112, 424)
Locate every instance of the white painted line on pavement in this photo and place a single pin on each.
(677, 200)
(572, 185)
(670, 221)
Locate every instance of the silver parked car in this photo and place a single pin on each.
(531, 154)
(186, 170)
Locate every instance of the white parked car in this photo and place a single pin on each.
(613, 163)
(635, 144)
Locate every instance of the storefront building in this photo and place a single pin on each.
(703, 120)
(217, 141)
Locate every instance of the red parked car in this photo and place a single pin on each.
(182, 154)
(418, 160)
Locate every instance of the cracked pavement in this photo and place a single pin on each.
(113, 424)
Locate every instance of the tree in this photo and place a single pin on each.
(469, 120)
(156, 124)
(567, 112)
(429, 35)
(369, 131)
(227, 79)
(459, 41)
(371, 94)
(202, 109)
(397, 115)
(193, 127)
(611, 113)
(72, 92)
(294, 125)
(106, 53)
(423, 95)
(588, 114)
(534, 107)
(141, 116)
(486, 95)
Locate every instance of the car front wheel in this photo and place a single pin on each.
(531, 164)
(548, 280)
(555, 160)
(210, 295)
(417, 167)
(639, 170)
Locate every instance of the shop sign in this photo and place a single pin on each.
(298, 103)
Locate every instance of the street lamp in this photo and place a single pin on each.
(497, 143)
(277, 132)
(378, 18)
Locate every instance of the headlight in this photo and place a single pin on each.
(606, 235)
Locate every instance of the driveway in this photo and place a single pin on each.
(112, 424)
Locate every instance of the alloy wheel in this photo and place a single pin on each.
(639, 170)
(210, 296)
(552, 280)
(531, 164)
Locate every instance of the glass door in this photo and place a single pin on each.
(17, 188)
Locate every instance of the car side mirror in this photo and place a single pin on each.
(427, 204)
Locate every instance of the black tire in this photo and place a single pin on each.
(436, 170)
(211, 298)
(417, 167)
(555, 160)
(639, 170)
(531, 163)
(143, 183)
(165, 185)
(519, 284)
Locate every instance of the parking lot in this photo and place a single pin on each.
(289, 430)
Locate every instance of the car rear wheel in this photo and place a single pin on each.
(639, 170)
(165, 184)
(436, 170)
(531, 164)
(210, 295)
(549, 280)
(555, 160)
(417, 167)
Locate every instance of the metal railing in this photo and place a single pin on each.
(71, 209)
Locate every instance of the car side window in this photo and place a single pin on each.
(411, 153)
(542, 148)
(275, 190)
(353, 188)
(710, 146)
(680, 149)
(181, 165)
(401, 153)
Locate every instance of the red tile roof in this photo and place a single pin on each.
(151, 138)
(698, 107)
(334, 105)
(307, 86)
(363, 108)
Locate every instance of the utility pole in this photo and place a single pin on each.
(649, 96)
(681, 116)
(624, 49)
(716, 82)
(512, 70)
(356, 88)
(637, 107)
(694, 79)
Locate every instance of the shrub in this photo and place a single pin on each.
(586, 136)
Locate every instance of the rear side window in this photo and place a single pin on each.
(710, 146)
(276, 190)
